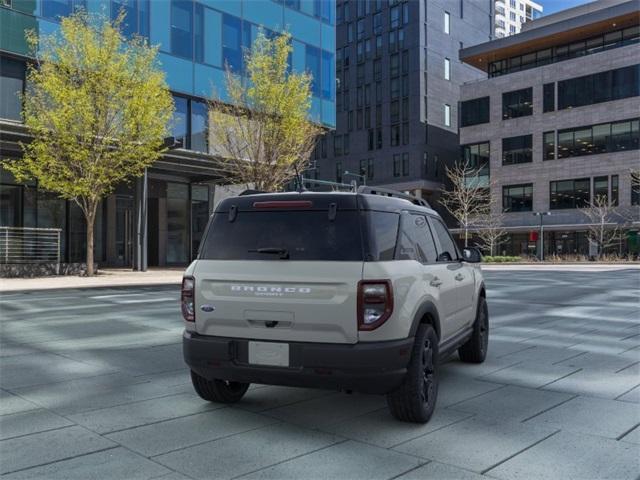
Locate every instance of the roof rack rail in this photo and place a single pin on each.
(250, 192)
(387, 192)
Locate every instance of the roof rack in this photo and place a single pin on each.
(387, 192)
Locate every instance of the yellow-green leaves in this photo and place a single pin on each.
(97, 106)
(263, 131)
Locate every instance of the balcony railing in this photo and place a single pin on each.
(22, 245)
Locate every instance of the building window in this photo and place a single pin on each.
(370, 137)
(600, 87)
(447, 69)
(312, 61)
(53, 10)
(405, 164)
(136, 20)
(602, 138)
(327, 76)
(601, 188)
(345, 144)
(474, 112)
(395, 135)
(549, 145)
(182, 28)
(339, 172)
(517, 198)
(599, 43)
(615, 192)
(635, 189)
(377, 24)
(476, 156)
(405, 133)
(396, 165)
(337, 145)
(378, 139)
(516, 150)
(447, 115)
(549, 97)
(180, 122)
(394, 112)
(199, 126)
(394, 65)
(447, 22)
(570, 193)
(518, 103)
(12, 79)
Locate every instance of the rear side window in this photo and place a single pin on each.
(383, 233)
(415, 241)
(448, 251)
(304, 235)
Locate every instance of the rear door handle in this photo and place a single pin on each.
(459, 277)
(436, 282)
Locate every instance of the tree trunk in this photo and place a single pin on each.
(90, 217)
(466, 237)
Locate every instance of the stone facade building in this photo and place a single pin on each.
(555, 123)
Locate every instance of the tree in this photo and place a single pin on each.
(605, 223)
(98, 108)
(468, 198)
(263, 132)
(490, 230)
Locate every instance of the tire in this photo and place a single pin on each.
(415, 400)
(219, 391)
(475, 349)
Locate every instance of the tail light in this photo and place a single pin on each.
(187, 299)
(375, 303)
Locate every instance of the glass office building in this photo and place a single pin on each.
(159, 220)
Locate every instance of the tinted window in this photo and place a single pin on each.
(516, 150)
(11, 85)
(474, 112)
(305, 235)
(517, 198)
(181, 28)
(415, 241)
(447, 250)
(518, 103)
(549, 97)
(600, 87)
(383, 233)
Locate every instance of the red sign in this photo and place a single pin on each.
(533, 236)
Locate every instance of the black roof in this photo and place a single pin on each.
(321, 201)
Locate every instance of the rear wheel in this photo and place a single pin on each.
(415, 400)
(220, 391)
(475, 349)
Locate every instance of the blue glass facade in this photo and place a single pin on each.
(198, 38)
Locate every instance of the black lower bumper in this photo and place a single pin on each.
(372, 367)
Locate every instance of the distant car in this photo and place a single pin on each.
(362, 291)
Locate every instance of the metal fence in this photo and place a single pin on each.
(29, 245)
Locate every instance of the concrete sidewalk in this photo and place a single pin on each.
(112, 277)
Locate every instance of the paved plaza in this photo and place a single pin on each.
(93, 386)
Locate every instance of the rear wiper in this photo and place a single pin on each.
(283, 252)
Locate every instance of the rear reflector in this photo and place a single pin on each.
(284, 204)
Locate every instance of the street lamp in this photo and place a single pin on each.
(363, 177)
(541, 215)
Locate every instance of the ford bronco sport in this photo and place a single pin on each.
(363, 291)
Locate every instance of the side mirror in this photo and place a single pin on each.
(471, 255)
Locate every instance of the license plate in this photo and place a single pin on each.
(269, 353)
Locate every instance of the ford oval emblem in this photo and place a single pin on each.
(207, 308)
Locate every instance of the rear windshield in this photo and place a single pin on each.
(284, 235)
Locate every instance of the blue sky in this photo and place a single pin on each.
(552, 6)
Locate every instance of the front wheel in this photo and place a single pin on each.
(415, 400)
(475, 349)
(220, 391)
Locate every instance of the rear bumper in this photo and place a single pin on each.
(375, 367)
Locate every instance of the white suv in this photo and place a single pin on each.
(362, 291)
